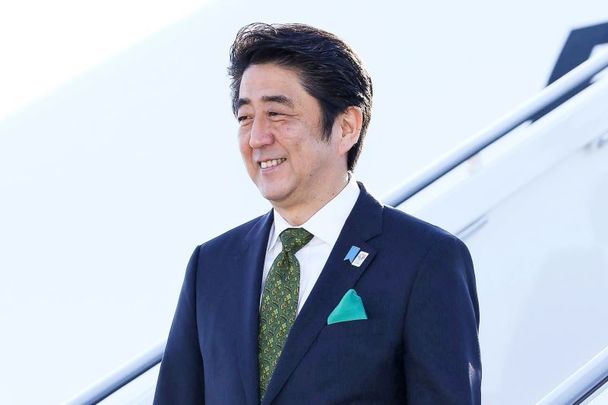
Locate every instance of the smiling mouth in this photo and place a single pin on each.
(271, 163)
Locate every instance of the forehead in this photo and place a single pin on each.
(259, 82)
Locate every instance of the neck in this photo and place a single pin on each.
(298, 214)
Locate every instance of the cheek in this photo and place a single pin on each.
(243, 141)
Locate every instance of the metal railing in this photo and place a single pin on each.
(582, 384)
(413, 185)
(498, 129)
(121, 377)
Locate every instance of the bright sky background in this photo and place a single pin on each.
(46, 43)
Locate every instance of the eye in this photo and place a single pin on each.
(243, 119)
(275, 114)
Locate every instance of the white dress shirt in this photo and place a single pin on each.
(326, 225)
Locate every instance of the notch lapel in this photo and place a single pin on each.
(337, 277)
(252, 263)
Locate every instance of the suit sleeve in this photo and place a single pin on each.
(180, 380)
(442, 360)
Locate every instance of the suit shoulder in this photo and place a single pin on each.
(235, 234)
(400, 224)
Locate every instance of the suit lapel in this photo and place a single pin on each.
(252, 262)
(337, 277)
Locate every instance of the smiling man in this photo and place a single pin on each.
(331, 297)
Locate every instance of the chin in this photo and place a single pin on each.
(274, 195)
(274, 198)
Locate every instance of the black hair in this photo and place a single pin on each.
(329, 69)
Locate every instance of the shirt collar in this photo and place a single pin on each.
(326, 224)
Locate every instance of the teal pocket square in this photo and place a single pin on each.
(350, 308)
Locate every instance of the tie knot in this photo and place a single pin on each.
(293, 239)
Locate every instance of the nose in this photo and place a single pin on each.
(261, 133)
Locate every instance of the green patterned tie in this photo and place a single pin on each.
(280, 302)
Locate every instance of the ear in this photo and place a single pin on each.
(350, 128)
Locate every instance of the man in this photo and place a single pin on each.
(330, 298)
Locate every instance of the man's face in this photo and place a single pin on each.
(280, 130)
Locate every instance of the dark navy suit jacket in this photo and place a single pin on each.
(418, 346)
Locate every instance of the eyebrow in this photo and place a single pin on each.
(267, 99)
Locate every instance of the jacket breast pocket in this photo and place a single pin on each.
(349, 329)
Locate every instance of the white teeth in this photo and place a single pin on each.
(271, 163)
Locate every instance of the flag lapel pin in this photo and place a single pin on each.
(356, 256)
